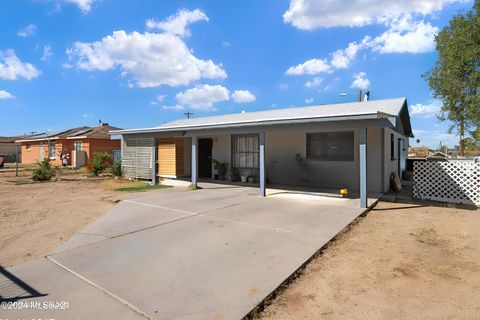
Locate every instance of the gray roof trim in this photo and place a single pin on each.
(299, 120)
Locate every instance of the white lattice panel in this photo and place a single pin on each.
(446, 181)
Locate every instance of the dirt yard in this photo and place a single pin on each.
(37, 217)
(401, 261)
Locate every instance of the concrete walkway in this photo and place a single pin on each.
(213, 253)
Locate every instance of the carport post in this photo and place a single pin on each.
(154, 163)
(261, 139)
(363, 167)
(194, 161)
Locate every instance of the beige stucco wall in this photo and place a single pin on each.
(391, 165)
(282, 166)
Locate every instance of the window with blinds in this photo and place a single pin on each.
(331, 146)
(245, 151)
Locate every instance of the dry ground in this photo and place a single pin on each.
(402, 261)
(37, 217)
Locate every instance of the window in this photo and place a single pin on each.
(78, 146)
(28, 147)
(392, 147)
(330, 146)
(51, 150)
(245, 151)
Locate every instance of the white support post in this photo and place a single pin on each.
(262, 176)
(194, 161)
(154, 163)
(363, 167)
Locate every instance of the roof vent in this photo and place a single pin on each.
(367, 96)
(104, 124)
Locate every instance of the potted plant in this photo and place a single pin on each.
(221, 169)
(234, 174)
(244, 178)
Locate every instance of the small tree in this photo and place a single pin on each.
(43, 171)
(100, 161)
(455, 79)
(117, 168)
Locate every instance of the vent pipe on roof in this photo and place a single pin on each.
(367, 96)
(359, 95)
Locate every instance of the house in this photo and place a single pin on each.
(78, 143)
(354, 145)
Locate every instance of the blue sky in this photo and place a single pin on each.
(140, 63)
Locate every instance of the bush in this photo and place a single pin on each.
(117, 168)
(43, 171)
(100, 161)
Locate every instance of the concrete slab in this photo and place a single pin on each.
(196, 268)
(58, 286)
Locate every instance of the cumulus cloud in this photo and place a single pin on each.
(243, 96)
(27, 31)
(153, 59)
(47, 53)
(4, 95)
(308, 100)
(312, 66)
(178, 23)
(176, 107)
(314, 83)
(429, 110)
(203, 97)
(360, 81)
(313, 14)
(158, 98)
(406, 36)
(83, 5)
(12, 68)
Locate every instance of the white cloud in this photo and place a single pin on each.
(27, 31)
(226, 44)
(313, 14)
(406, 36)
(202, 97)
(158, 98)
(176, 107)
(12, 68)
(178, 23)
(342, 58)
(243, 96)
(360, 81)
(308, 100)
(153, 59)
(315, 82)
(83, 5)
(4, 95)
(282, 86)
(426, 110)
(312, 66)
(47, 53)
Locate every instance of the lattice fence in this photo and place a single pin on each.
(447, 181)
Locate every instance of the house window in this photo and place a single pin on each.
(51, 151)
(28, 147)
(245, 151)
(78, 146)
(392, 147)
(330, 146)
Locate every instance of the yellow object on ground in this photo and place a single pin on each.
(344, 192)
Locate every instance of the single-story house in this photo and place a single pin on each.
(8, 148)
(78, 143)
(346, 145)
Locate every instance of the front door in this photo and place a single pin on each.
(205, 158)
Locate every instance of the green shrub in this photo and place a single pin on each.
(43, 171)
(100, 161)
(117, 168)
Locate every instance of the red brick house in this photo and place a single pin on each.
(54, 145)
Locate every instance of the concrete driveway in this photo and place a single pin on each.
(213, 253)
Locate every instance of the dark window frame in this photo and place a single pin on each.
(392, 147)
(234, 152)
(325, 157)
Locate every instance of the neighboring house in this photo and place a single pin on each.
(78, 143)
(355, 145)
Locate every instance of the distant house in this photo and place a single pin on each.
(76, 142)
(355, 145)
